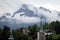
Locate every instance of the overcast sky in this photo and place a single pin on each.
(12, 5)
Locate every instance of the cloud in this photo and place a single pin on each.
(10, 6)
(50, 17)
(25, 19)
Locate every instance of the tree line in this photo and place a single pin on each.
(4, 33)
(32, 35)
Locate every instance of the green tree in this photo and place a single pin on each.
(34, 28)
(6, 32)
(57, 27)
(59, 38)
(45, 27)
(33, 31)
(52, 26)
(20, 36)
(1, 35)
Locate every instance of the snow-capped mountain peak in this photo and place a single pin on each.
(27, 9)
(47, 10)
(29, 15)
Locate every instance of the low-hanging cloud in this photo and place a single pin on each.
(10, 6)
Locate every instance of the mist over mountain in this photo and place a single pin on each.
(28, 15)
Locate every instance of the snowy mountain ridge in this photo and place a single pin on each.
(29, 15)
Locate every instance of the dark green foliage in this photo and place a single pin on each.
(53, 26)
(34, 28)
(59, 38)
(6, 31)
(20, 36)
(1, 36)
(32, 35)
(45, 27)
(33, 31)
(57, 27)
(50, 37)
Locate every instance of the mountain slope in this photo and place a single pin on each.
(28, 15)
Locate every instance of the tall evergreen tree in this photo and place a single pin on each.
(6, 31)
